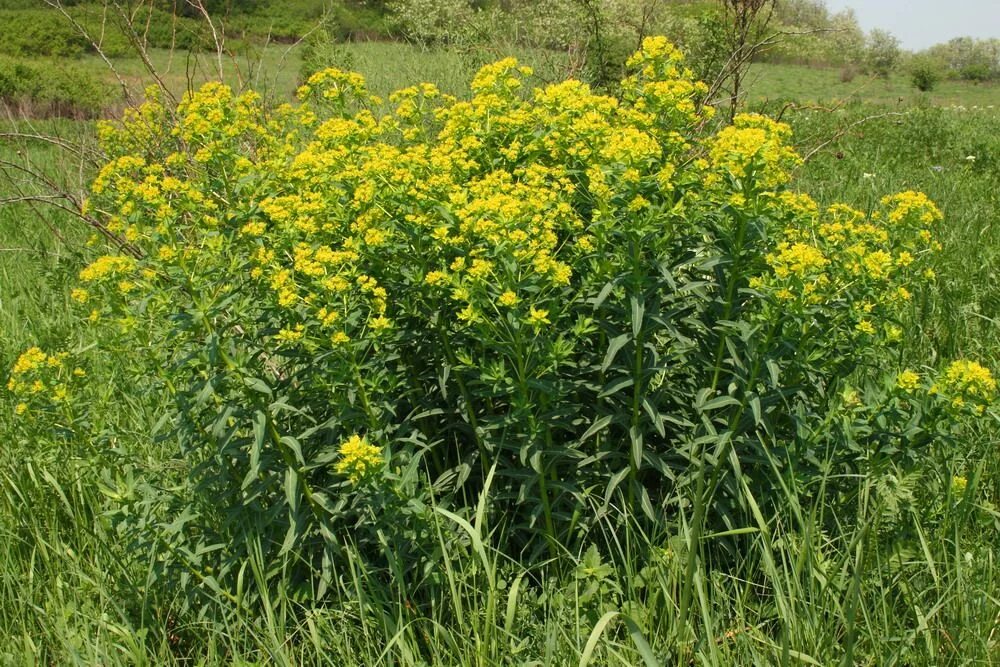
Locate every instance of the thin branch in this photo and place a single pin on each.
(219, 42)
(95, 44)
(847, 128)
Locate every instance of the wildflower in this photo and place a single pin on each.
(867, 176)
(290, 335)
(538, 317)
(958, 485)
(435, 278)
(380, 323)
(508, 299)
(20, 409)
(799, 260)
(108, 265)
(254, 228)
(908, 381)
(965, 381)
(29, 360)
(468, 314)
(358, 458)
(970, 158)
(865, 327)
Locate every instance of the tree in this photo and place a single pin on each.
(883, 52)
(744, 29)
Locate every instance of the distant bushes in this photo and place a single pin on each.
(967, 58)
(47, 90)
(39, 33)
(47, 33)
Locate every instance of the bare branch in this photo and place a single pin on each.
(847, 128)
(95, 44)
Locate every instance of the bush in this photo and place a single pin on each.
(435, 21)
(49, 89)
(40, 33)
(562, 313)
(978, 72)
(924, 73)
(882, 53)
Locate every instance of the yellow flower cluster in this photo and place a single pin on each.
(966, 383)
(841, 257)
(105, 267)
(39, 379)
(484, 193)
(908, 381)
(797, 259)
(358, 458)
(753, 147)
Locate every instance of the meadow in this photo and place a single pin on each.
(893, 564)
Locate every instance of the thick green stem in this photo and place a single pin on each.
(525, 400)
(700, 500)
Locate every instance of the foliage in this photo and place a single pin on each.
(46, 89)
(882, 52)
(905, 573)
(924, 73)
(582, 316)
(968, 58)
(39, 33)
(435, 21)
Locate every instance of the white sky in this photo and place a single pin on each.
(922, 23)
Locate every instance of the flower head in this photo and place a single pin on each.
(908, 380)
(537, 317)
(358, 458)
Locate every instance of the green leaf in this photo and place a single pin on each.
(616, 385)
(595, 636)
(596, 427)
(258, 385)
(614, 345)
(719, 402)
(638, 313)
(292, 489)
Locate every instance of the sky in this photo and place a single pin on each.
(922, 23)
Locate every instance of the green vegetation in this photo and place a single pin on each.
(855, 516)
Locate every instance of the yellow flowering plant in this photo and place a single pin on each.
(43, 386)
(593, 296)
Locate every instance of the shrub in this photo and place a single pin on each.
(434, 21)
(978, 72)
(39, 33)
(555, 308)
(924, 73)
(43, 89)
(882, 52)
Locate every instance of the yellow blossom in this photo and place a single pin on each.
(358, 458)
(508, 299)
(908, 380)
(538, 317)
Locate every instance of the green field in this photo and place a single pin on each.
(907, 581)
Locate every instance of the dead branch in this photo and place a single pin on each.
(847, 128)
